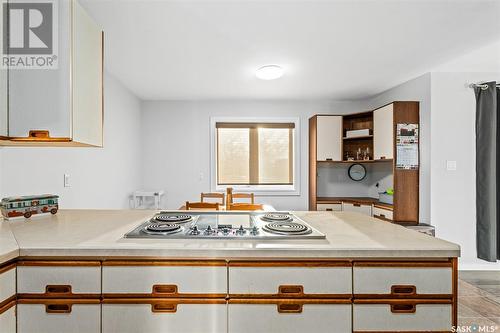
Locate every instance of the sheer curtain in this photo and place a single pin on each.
(488, 171)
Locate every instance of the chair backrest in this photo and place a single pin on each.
(231, 196)
(214, 195)
(202, 205)
(245, 206)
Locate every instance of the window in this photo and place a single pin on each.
(255, 155)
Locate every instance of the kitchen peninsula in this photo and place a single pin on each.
(75, 271)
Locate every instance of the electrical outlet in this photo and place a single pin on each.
(67, 180)
(451, 165)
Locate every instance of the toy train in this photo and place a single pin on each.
(29, 205)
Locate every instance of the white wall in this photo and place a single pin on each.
(176, 154)
(453, 209)
(418, 89)
(100, 177)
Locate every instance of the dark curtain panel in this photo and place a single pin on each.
(488, 172)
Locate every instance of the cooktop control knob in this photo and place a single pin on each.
(195, 231)
(254, 231)
(225, 231)
(208, 230)
(241, 230)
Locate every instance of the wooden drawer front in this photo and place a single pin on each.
(294, 281)
(59, 281)
(402, 281)
(34, 318)
(8, 320)
(165, 281)
(357, 208)
(7, 283)
(400, 318)
(329, 207)
(382, 214)
(133, 318)
(252, 318)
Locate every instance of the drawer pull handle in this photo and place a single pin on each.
(403, 290)
(329, 209)
(356, 205)
(164, 307)
(329, 159)
(58, 289)
(403, 308)
(291, 290)
(290, 308)
(39, 134)
(170, 289)
(58, 308)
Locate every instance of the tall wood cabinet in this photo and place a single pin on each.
(330, 141)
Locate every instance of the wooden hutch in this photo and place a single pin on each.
(375, 142)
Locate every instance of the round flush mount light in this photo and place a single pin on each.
(269, 72)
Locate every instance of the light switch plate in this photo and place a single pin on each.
(67, 182)
(451, 165)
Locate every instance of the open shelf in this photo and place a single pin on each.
(359, 161)
(358, 137)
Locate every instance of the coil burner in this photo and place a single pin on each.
(172, 218)
(162, 228)
(287, 228)
(277, 217)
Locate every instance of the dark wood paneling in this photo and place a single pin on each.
(313, 130)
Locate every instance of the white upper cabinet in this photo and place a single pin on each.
(62, 104)
(383, 133)
(329, 138)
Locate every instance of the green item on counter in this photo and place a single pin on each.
(390, 191)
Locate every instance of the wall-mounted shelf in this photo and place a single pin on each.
(358, 137)
(358, 161)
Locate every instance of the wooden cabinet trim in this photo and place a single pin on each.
(402, 264)
(58, 263)
(415, 301)
(381, 217)
(284, 296)
(71, 301)
(280, 263)
(132, 300)
(287, 301)
(164, 263)
(7, 304)
(7, 267)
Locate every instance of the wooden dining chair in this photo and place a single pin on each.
(202, 205)
(245, 206)
(231, 196)
(214, 195)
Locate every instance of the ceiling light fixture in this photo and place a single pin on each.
(269, 72)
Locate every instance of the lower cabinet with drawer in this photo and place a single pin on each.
(365, 209)
(383, 214)
(289, 315)
(330, 207)
(59, 279)
(402, 316)
(164, 315)
(51, 315)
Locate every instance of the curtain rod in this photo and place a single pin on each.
(483, 86)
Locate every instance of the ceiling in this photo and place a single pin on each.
(176, 50)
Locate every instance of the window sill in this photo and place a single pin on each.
(262, 190)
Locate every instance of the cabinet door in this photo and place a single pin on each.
(39, 99)
(8, 319)
(59, 317)
(329, 138)
(288, 317)
(164, 316)
(383, 133)
(87, 78)
(7, 282)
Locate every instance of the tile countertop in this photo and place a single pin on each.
(99, 233)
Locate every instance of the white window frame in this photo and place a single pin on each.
(271, 190)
